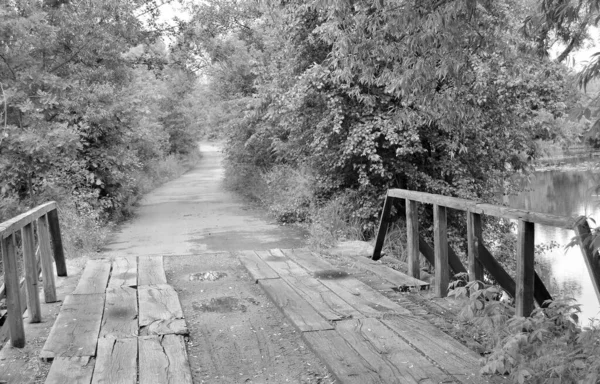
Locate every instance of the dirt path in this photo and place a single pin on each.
(237, 335)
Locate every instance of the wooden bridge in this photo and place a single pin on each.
(124, 323)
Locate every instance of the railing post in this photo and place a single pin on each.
(590, 254)
(383, 226)
(31, 274)
(525, 269)
(440, 238)
(59, 254)
(474, 239)
(412, 239)
(46, 259)
(13, 300)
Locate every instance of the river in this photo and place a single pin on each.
(562, 269)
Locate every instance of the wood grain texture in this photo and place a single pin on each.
(76, 329)
(94, 278)
(321, 298)
(116, 362)
(46, 260)
(120, 319)
(8, 227)
(393, 276)
(124, 272)
(13, 294)
(31, 274)
(57, 247)
(151, 270)
(440, 248)
(159, 310)
(345, 364)
(393, 358)
(163, 360)
(474, 237)
(71, 370)
(257, 268)
(525, 269)
(302, 315)
(412, 239)
(447, 352)
(384, 222)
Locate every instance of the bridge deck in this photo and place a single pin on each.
(121, 323)
(360, 334)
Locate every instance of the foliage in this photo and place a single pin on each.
(547, 347)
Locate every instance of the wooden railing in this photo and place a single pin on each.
(525, 287)
(15, 290)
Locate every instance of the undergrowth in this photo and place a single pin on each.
(546, 347)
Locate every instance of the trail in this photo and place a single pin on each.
(236, 334)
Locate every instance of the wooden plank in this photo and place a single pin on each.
(94, 277)
(46, 260)
(430, 198)
(343, 362)
(13, 300)
(71, 370)
(474, 237)
(57, 247)
(383, 227)
(448, 353)
(163, 359)
(8, 227)
(412, 239)
(590, 254)
(160, 312)
(120, 319)
(440, 249)
(116, 362)
(453, 260)
(393, 276)
(525, 269)
(322, 299)
(124, 272)
(294, 307)
(31, 274)
(359, 295)
(391, 357)
(151, 270)
(257, 268)
(75, 331)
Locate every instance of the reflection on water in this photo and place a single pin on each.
(563, 270)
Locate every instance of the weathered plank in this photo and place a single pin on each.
(8, 227)
(440, 248)
(343, 361)
(163, 360)
(321, 298)
(31, 274)
(94, 278)
(393, 276)
(12, 286)
(474, 237)
(257, 268)
(120, 317)
(359, 295)
(394, 359)
(294, 307)
(46, 260)
(71, 370)
(116, 362)
(160, 311)
(525, 269)
(383, 227)
(57, 247)
(151, 270)
(453, 259)
(412, 239)
(448, 353)
(124, 272)
(75, 331)
(589, 251)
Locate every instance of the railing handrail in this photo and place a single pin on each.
(566, 222)
(10, 226)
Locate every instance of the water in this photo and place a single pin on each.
(563, 270)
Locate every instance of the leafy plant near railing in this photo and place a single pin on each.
(547, 347)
